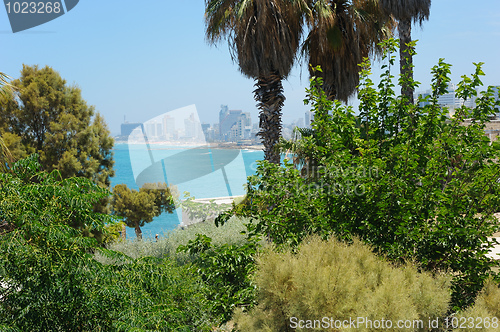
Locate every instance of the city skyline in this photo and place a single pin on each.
(233, 126)
(132, 60)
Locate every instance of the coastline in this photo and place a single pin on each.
(213, 145)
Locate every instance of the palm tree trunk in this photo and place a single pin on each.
(270, 99)
(406, 59)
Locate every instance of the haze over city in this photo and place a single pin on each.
(140, 60)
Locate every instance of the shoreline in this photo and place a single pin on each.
(215, 145)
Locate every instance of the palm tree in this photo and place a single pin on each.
(5, 92)
(264, 38)
(5, 156)
(5, 87)
(342, 34)
(406, 12)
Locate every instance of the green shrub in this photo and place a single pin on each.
(51, 281)
(154, 295)
(46, 262)
(406, 179)
(114, 233)
(340, 281)
(226, 270)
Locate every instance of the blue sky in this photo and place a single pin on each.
(140, 59)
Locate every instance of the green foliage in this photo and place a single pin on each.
(340, 281)
(114, 233)
(222, 257)
(202, 211)
(52, 119)
(5, 156)
(226, 270)
(154, 295)
(45, 260)
(140, 207)
(406, 179)
(51, 281)
(13, 144)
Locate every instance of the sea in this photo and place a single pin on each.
(200, 171)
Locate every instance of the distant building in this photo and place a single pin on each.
(127, 128)
(286, 133)
(496, 91)
(169, 132)
(211, 133)
(449, 99)
(227, 119)
(234, 125)
(193, 129)
(309, 116)
(255, 130)
(159, 130)
(205, 127)
(300, 123)
(242, 128)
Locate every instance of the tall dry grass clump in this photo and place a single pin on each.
(230, 232)
(341, 282)
(485, 312)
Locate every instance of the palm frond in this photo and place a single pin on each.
(342, 35)
(6, 90)
(298, 133)
(415, 10)
(263, 35)
(5, 156)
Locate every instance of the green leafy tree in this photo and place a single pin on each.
(49, 277)
(410, 181)
(42, 270)
(264, 37)
(226, 269)
(140, 207)
(51, 118)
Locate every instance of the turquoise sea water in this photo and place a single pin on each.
(203, 173)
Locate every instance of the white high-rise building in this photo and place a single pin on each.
(169, 128)
(153, 130)
(449, 99)
(242, 128)
(309, 116)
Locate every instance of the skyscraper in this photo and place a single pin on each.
(309, 116)
(169, 128)
(227, 119)
(449, 99)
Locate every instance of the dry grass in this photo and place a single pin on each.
(487, 306)
(167, 244)
(339, 281)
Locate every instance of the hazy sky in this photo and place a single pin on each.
(140, 59)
